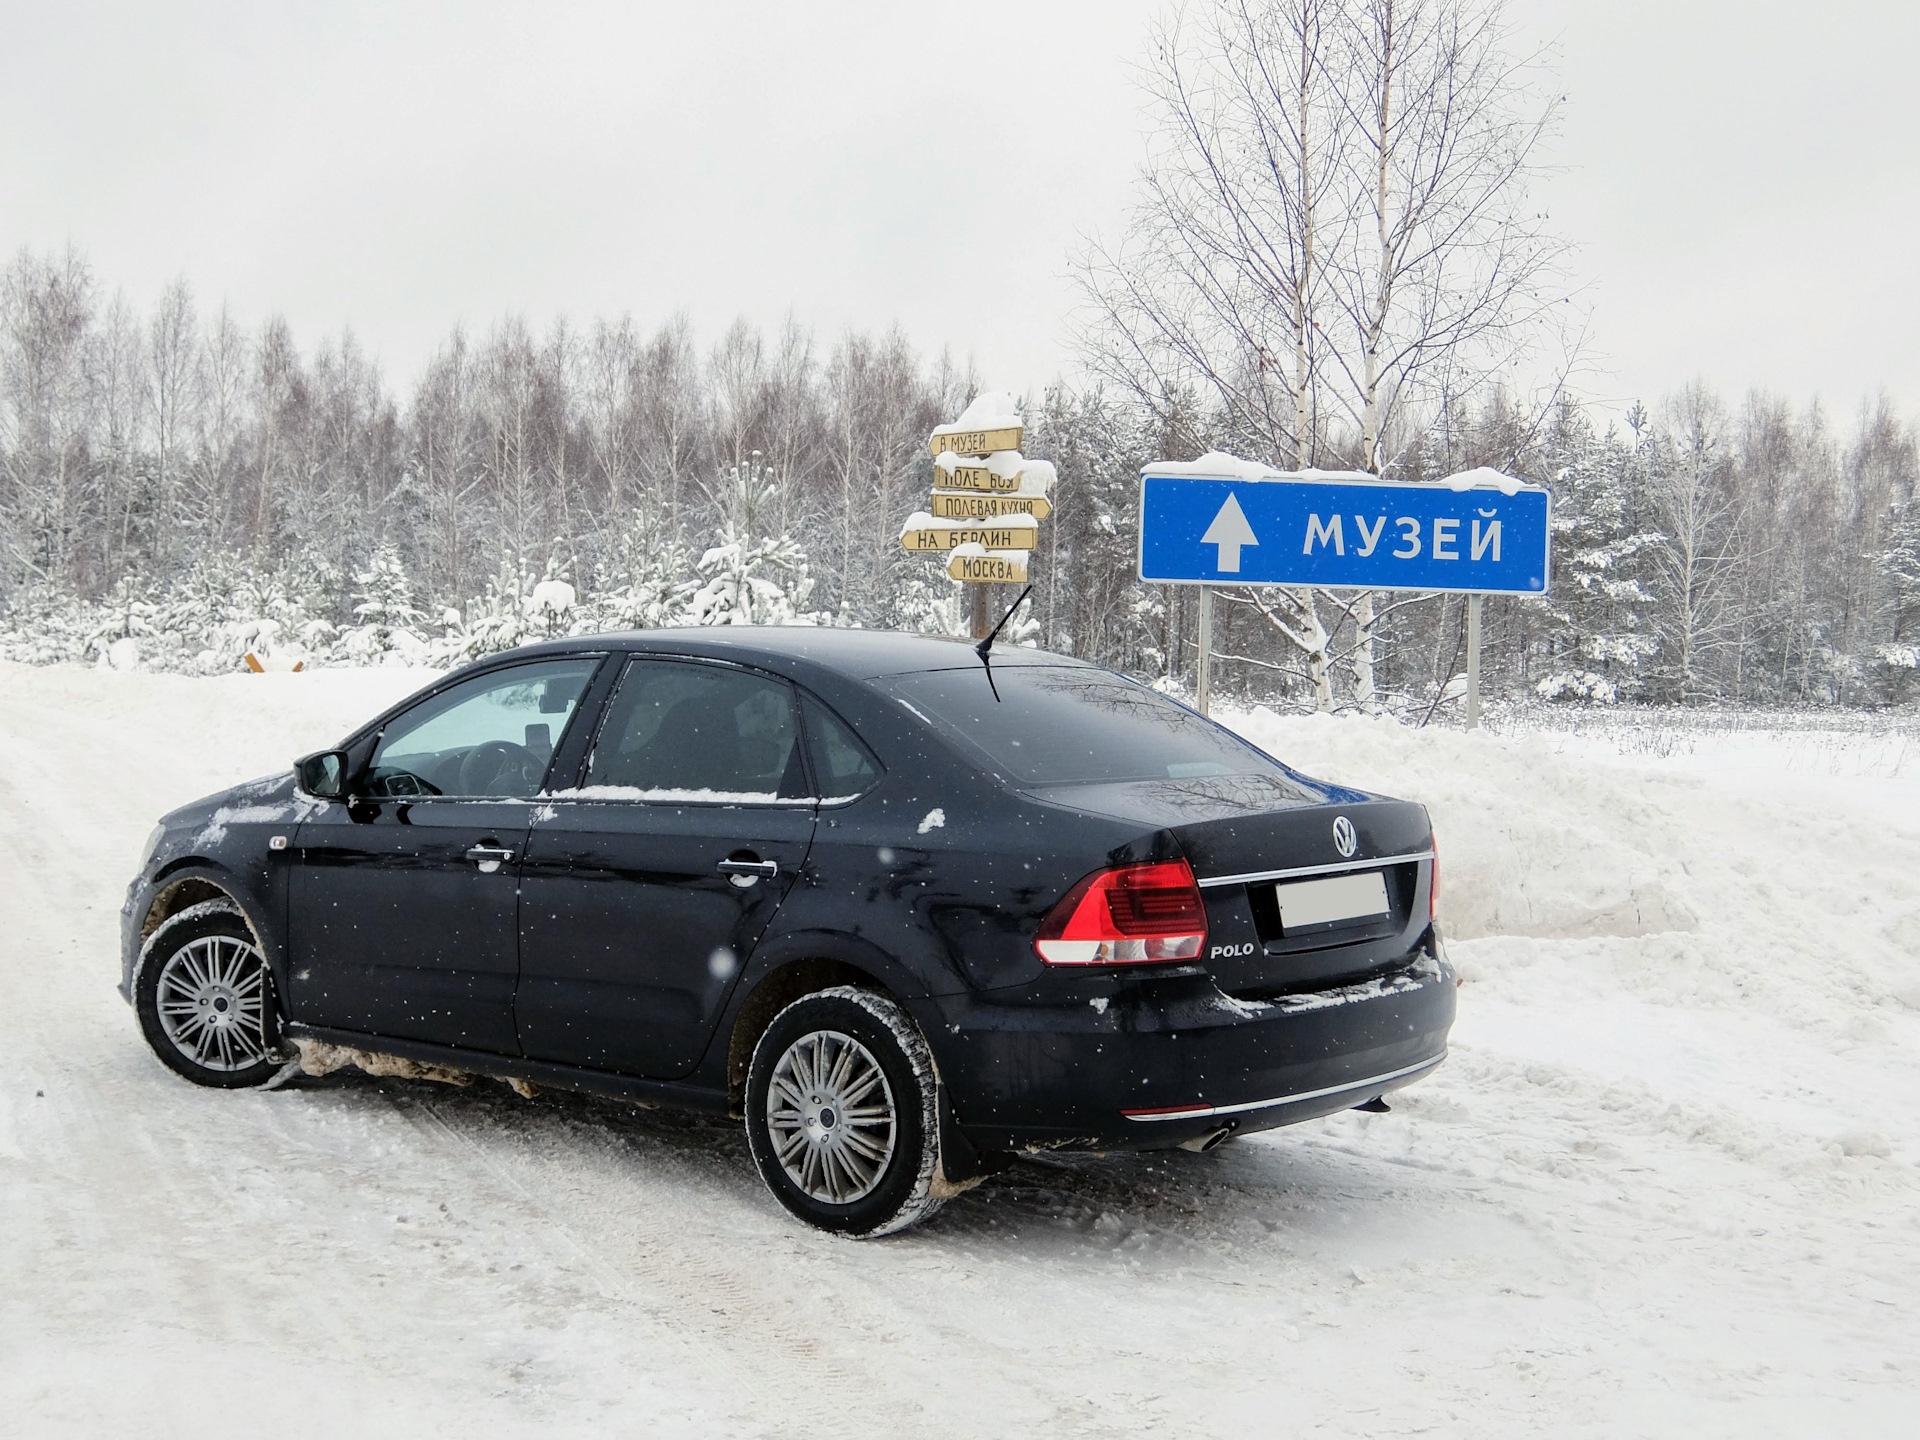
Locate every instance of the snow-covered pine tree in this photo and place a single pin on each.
(751, 577)
(495, 621)
(1600, 631)
(1899, 568)
(643, 582)
(384, 606)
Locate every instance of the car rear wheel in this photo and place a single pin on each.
(842, 1113)
(205, 1000)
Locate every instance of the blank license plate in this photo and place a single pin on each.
(1336, 898)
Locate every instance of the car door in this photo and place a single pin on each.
(644, 890)
(403, 905)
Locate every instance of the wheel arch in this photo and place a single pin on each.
(798, 965)
(183, 886)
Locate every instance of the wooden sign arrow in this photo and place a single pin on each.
(963, 505)
(953, 473)
(980, 566)
(1012, 532)
(975, 442)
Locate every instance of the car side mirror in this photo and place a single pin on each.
(323, 776)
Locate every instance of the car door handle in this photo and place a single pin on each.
(489, 857)
(745, 872)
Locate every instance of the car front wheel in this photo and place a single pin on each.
(842, 1113)
(205, 1000)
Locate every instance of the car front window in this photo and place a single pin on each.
(1068, 725)
(493, 735)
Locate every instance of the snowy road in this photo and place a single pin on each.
(1669, 1182)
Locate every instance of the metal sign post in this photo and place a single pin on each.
(1203, 669)
(1474, 602)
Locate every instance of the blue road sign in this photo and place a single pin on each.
(1343, 533)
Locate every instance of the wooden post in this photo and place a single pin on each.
(977, 601)
(1203, 666)
(1474, 602)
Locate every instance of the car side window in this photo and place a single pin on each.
(842, 766)
(678, 730)
(490, 736)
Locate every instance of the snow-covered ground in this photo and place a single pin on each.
(1668, 1184)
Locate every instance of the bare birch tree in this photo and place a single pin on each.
(173, 384)
(1698, 515)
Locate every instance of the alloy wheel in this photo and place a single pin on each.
(830, 1115)
(211, 999)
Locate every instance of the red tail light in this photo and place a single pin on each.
(1433, 882)
(1130, 915)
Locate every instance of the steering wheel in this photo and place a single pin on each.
(500, 767)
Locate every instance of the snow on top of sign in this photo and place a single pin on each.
(1486, 477)
(921, 520)
(1037, 477)
(1219, 465)
(991, 410)
(973, 550)
(1215, 464)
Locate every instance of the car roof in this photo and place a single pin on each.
(857, 654)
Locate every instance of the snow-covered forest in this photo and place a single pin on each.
(170, 478)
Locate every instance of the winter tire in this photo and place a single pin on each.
(205, 1000)
(842, 1113)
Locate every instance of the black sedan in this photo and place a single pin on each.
(904, 908)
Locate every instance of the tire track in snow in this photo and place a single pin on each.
(789, 1371)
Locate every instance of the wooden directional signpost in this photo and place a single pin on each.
(987, 504)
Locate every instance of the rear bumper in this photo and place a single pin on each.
(1171, 1060)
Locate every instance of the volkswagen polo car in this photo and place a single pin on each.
(903, 908)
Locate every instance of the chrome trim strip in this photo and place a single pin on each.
(1298, 871)
(1291, 1099)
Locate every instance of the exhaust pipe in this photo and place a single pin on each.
(1212, 1140)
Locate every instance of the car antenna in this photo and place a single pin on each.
(987, 644)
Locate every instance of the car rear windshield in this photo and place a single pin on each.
(1059, 725)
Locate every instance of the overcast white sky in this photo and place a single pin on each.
(1741, 175)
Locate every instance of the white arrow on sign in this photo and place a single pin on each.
(1229, 531)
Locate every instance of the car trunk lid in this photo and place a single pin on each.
(1306, 884)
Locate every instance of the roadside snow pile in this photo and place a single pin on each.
(1732, 899)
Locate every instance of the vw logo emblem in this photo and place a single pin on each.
(1344, 838)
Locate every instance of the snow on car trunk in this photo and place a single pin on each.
(1665, 1184)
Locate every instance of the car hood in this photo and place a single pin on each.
(261, 801)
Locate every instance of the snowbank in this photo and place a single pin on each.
(1737, 899)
